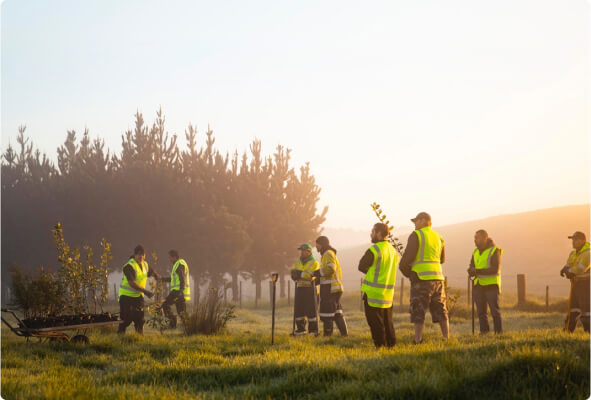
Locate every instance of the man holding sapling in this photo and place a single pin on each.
(421, 263)
(132, 290)
(577, 270)
(180, 291)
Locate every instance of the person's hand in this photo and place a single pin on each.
(156, 275)
(564, 270)
(569, 275)
(472, 271)
(148, 294)
(316, 274)
(295, 274)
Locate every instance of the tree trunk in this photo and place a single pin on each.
(234, 285)
(197, 291)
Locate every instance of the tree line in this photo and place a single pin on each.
(227, 214)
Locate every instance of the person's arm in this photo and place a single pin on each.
(365, 262)
(442, 257)
(153, 273)
(182, 274)
(410, 252)
(472, 268)
(495, 265)
(329, 265)
(582, 265)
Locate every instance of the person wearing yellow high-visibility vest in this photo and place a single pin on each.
(485, 267)
(132, 290)
(180, 290)
(305, 298)
(331, 288)
(421, 263)
(577, 270)
(379, 266)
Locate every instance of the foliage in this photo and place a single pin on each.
(39, 296)
(189, 196)
(210, 316)
(156, 318)
(82, 281)
(382, 217)
(450, 301)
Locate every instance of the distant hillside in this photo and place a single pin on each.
(535, 243)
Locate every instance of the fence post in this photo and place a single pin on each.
(115, 291)
(520, 289)
(401, 290)
(468, 290)
(288, 293)
(240, 295)
(547, 298)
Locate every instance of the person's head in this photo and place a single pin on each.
(173, 256)
(139, 253)
(322, 244)
(379, 232)
(422, 220)
(305, 250)
(578, 239)
(481, 238)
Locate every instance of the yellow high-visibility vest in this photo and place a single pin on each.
(175, 283)
(307, 269)
(427, 262)
(330, 271)
(380, 278)
(141, 277)
(578, 261)
(482, 261)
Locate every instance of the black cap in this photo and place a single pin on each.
(578, 235)
(422, 215)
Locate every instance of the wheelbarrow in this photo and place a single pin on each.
(55, 333)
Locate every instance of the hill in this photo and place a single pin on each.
(535, 243)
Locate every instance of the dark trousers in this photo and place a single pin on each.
(304, 310)
(131, 309)
(177, 299)
(331, 310)
(380, 324)
(484, 296)
(579, 306)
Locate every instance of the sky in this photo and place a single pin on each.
(463, 109)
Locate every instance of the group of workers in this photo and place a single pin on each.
(319, 286)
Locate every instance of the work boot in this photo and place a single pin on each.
(328, 328)
(300, 326)
(341, 324)
(572, 323)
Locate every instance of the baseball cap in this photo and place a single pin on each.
(305, 246)
(578, 235)
(420, 215)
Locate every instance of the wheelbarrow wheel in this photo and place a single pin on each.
(80, 339)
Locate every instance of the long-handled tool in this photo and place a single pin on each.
(315, 306)
(570, 296)
(472, 306)
(295, 301)
(274, 278)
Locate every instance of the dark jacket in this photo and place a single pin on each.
(410, 252)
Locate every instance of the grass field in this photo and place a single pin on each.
(532, 359)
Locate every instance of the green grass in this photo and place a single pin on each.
(532, 359)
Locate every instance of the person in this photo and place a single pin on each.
(305, 303)
(485, 267)
(132, 290)
(180, 290)
(331, 288)
(421, 263)
(577, 270)
(379, 266)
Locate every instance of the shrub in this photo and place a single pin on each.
(39, 296)
(210, 316)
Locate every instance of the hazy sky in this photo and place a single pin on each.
(464, 109)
